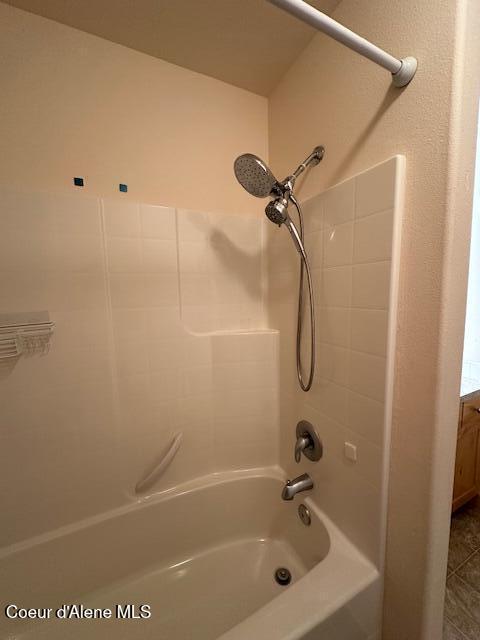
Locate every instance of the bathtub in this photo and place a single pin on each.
(202, 558)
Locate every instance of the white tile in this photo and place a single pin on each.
(164, 353)
(194, 410)
(315, 248)
(371, 285)
(195, 351)
(334, 435)
(65, 291)
(194, 257)
(127, 290)
(197, 381)
(37, 212)
(314, 212)
(338, 244)
(129, 325)
(161, 290)
(257, 347)
(375, 189)
(198, 318)
(334, 325)
(22, 251)
(280, 257)
(76, 252)
(369, 331)
(245, 442)
(124, 254)
(329, 398)
(164, 322)
(336, 286)
(131, 357)
(158, 222)
(72, 213)
(81, 327)
(225, 348)
(366, 417)
(333, 363)
(367, 375)
(121, 218)
(340, 203)
(235, 376)
(250, 402)
(160, 256)
(193, 226)
(196, 290)
(373, 237)
(282, 286)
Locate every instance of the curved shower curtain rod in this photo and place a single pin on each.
(402, 70)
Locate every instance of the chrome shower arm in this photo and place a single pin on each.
(312, 160)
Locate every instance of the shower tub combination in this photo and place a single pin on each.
(203, 557)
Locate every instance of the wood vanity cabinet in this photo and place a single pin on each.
(467, 462)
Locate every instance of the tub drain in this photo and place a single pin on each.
(283, 576)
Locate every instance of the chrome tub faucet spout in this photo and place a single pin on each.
(297, 485)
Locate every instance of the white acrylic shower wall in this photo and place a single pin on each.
(352, 238)
(81, 426)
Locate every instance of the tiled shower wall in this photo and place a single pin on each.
(349, 239)
(144, 347)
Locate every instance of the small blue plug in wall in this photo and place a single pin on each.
(123, 188)
(78, 182)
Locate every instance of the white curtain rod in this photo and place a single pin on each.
(402, 70)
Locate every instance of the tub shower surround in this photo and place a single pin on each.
(353, 241)
(124, 373)
(165, 323)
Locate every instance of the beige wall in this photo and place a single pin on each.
(335, 98)
(76, 105)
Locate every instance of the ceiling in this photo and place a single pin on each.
(248, 43)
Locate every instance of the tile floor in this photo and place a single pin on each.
(462, 598)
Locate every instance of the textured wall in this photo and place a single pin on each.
(336, 98)
(76, 105)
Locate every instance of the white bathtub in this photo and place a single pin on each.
(203, 557)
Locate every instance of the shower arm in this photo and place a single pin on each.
(402, 70)
(286, 186)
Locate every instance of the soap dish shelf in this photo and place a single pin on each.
(28, 338)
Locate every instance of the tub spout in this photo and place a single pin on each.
(292, 487)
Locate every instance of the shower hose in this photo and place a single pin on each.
(304, 268)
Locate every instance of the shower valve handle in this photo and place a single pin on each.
(303, 442)
(307, 442)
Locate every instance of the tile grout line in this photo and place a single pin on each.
(454, 571)
(456, 628)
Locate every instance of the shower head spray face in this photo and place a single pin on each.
(277, 211)
(254, 175)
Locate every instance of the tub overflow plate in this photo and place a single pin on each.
(304, 515)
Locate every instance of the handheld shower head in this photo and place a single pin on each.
(254, 175)
(277, 212)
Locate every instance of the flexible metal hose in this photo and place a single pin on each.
(304, 268)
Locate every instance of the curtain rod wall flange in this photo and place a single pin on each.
(402, 70)
(406, 72)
